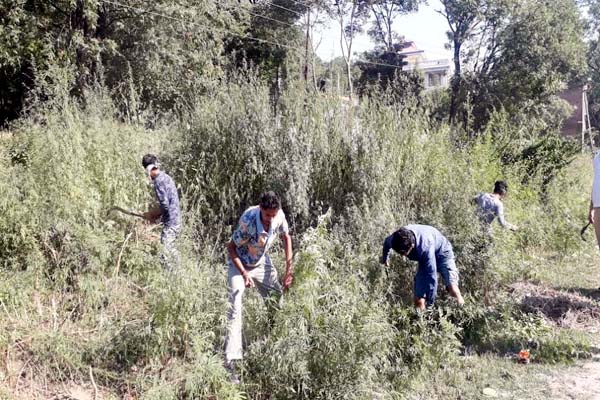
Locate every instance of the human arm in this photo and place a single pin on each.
(502, 220)
(387, 248)
(591, 213)
(237, 262)
(289, 270)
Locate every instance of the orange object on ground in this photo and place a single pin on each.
(524, 356)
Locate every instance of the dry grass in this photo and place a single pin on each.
(565, 309)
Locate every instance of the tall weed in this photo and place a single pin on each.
(346, 329)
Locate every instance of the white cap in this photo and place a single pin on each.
(149, 168)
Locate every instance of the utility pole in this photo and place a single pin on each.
(585, 117)
(305, 71)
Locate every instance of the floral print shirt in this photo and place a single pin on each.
(252, 241)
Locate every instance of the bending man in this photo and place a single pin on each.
(168, 211)
(433, 252)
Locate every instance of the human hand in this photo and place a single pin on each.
(150, 217)
(248, 281)
(287, 280)
(591, 216)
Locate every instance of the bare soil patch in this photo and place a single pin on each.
(581, 382)
(571, 308)
(577, 309)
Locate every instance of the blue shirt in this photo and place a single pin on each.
(431, 250)
(429, 244)
(252, 241)
(168, 199)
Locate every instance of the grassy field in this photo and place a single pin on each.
(86, 309)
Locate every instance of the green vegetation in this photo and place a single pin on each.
(84, 300)
(84, 289)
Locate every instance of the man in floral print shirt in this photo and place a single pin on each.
(250, 265)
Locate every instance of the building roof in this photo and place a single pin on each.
(410, 47)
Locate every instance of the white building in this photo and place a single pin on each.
(437, 73)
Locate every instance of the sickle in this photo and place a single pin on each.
(583, 231)
(135, 214)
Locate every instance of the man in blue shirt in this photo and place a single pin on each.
(168, 211)
(433, 252)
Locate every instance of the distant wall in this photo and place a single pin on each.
(572, 125)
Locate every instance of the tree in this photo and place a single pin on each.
(593, 58)
(517, 53)
(351, 16)
(463, 17)
(384, 14)
(536, 53)
(167, 51)
(273, 36)
(381, 71)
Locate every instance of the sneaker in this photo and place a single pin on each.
(230, 367)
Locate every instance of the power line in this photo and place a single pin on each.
(207, 28)
(287, 9)
(302, 3)
(270, 19)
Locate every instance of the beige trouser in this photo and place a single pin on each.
(265, 279)
(596, 214)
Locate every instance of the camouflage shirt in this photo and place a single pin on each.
(167, 196)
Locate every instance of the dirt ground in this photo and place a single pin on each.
(566, 308)
(581, 382)
(576, 309)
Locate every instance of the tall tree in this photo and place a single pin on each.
(593, 58)
(463, 17)
(516, 53)
(351, 16)
(274, 36)
(168, 51)
(542, 42)
(384, 14)
(381, 71)
(536, 53)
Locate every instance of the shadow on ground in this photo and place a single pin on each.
(593, 294)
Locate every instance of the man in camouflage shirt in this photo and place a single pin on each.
(168, 211)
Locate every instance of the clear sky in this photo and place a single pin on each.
(426, 28)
